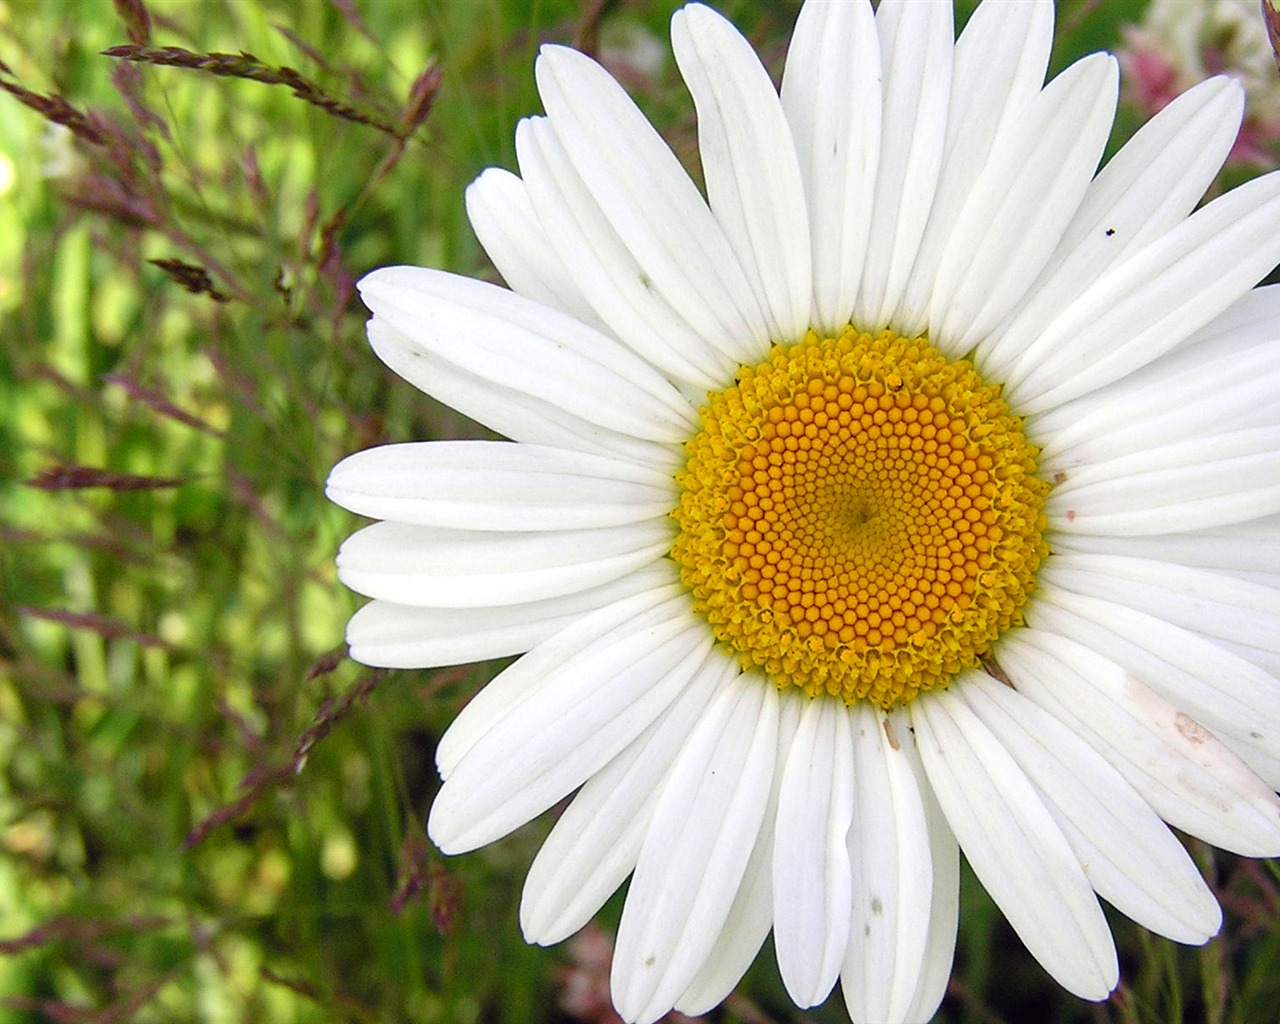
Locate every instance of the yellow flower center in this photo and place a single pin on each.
(859, 516)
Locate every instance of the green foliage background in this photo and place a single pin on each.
(207, 813)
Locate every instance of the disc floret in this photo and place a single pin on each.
(860, 516)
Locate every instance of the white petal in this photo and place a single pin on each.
(1186, 485)
(831, 96)
(1208, 603)
(1145, 190)
(944, 908)
(1000, 61)
(1236, 699)
(1267, 660)
(497, 485)
(598, 702)
(595, 843)
(753, 177)
(650, 202)
(502, 216)
(812, 883)
(747, 924)
(518, 343)
(618, 290)
(1251, 320)
(1015, 847)
(916, 50)
(1149, 302)
(1023, 201)
(1191, 393)
(745, 929)
(1241, 549)
(891, 860)
(435, 568)
(401, 636)
(695, 855)
(527, 677)
(1130, 858)
(510, 411)
(1190, 778)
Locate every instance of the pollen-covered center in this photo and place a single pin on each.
(859, 516)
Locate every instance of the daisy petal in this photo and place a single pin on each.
(495, 485)
(1144, 191)
(595, 843)
(390, 635)
(1240, 549)
(518, 343)
(1187, 485)
(832, 100)
(510, 411)
(1236, 699)
(745, 929)
(891, 861)
(812, 881)
(1226, 389)
(618, 290)
(1015, 847)
(753, 177)
(546, 748)
(695, 854)
(525, 678)
(1000, 62)
(740, 940)
(1209, 603)
(650, 202)
(1152, 300)
(944, 908)
(749, 919)
(1023, 201)
(1250, 321)
(503, 219)
(917, 44)
(1130, 857)
(1190, 778)
(436, 568)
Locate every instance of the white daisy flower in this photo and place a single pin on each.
(917, 491)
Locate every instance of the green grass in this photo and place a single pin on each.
(207, 813)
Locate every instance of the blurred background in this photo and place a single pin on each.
(207, 812)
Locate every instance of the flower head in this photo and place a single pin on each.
(915, 491)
